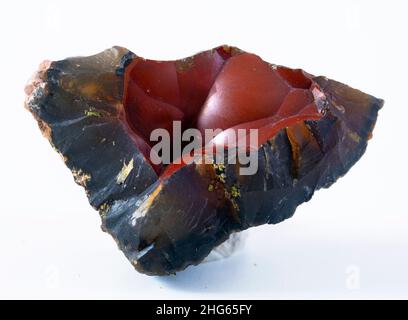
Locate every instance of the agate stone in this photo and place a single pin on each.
(99, 112)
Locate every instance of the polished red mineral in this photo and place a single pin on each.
(217, 89)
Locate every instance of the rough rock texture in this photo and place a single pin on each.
(98, 111)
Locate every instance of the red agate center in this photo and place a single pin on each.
(218, 89)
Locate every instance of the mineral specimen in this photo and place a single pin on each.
(99, 113)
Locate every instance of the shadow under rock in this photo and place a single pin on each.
(215, 276)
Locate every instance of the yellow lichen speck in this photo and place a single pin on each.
(91, 112)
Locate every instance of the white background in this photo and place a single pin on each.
(349, 241)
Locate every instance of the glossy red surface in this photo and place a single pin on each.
(217, 89)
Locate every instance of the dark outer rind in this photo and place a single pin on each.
(77, 102)
(178, 221)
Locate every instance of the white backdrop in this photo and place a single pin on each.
(349, 241)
